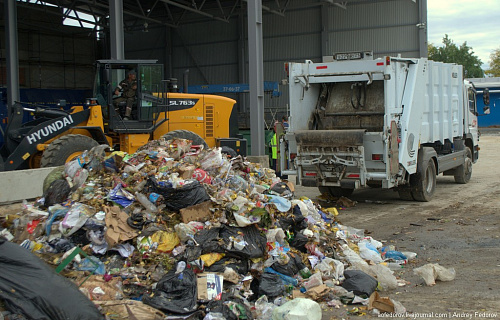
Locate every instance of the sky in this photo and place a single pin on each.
(477, 22)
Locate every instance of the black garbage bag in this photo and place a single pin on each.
(296, 222)
(271, 285)
(191, 253)
(57, 192)
(179, 198)
(360, 283)
(30, 287)
(299, 242)
(255, 246)
(292, 267)
(175, 293)
(240, 266)
(208, 239)
(218, 306)
(282, 189)
(255, 242)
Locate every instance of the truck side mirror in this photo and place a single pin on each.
(486, 100)
(486, 96)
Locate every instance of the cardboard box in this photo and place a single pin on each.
(209, 286)
(197, 212)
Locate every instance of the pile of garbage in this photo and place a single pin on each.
(176, 231)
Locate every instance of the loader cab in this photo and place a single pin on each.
(109, 74)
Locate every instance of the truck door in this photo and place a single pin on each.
(472, 114)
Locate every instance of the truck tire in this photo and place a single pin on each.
(186, 134)
(65, 149)
(424, 184)
(405, 193)
(336, 191)
(464, 172)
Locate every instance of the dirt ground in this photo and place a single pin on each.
(459, 228)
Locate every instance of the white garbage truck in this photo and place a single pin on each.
(390, 122)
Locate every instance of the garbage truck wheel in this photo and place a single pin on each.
(464, 172)
(424, 184)
(405, 193)
(336, 191)
(186, 134)
(65, 149)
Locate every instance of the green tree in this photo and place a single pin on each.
(463, 55)
(494, 69)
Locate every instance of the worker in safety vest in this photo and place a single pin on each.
(275, 154)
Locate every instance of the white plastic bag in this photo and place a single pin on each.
(298, 309)
(433, 271)
(331, 268)
(368, 252)
(384, 276)
(263, 308)
(212, 160)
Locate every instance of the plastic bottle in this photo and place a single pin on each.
(145, 202)
(393, 265)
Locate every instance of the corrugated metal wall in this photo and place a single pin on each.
(212, 50)
(51, 56)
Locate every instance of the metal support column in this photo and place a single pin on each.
(12, 57)
(256, 76)
(422, 25)
(116, 29)
(242, 68)
(325, 16)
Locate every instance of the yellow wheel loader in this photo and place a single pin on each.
(58, 136)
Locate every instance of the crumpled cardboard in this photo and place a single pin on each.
(197, 212)
(383, 304)
(118, 229)
(129, 309)
(317, 292)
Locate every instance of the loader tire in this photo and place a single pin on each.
(424, 185)
(464, 172)
(65, 149)
(336, 191)
(228, 151)
(186, 134)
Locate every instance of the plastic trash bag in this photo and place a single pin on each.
(180, 198)
(296, 222)
(331, 268)
(383, 274)
(298, 309)
(30, 287)
(174, 293)
(360, 283)
(433, 271)
(271, 285)
(209, 240)
(299, 242)
(292, 267)
(57, 192)
(264, 309)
